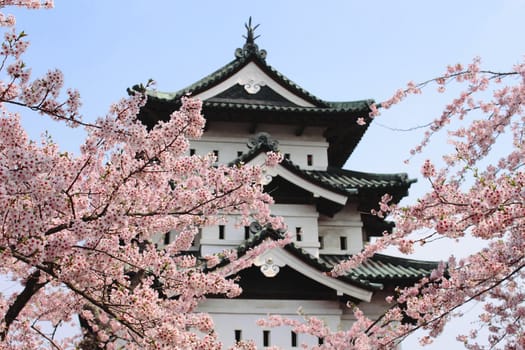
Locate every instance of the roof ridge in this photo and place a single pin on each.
(400, 176)
(405, 261)
(201, 83)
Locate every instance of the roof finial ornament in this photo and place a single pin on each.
(250, 38)
(250, 47)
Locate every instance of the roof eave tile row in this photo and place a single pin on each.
(358, 106)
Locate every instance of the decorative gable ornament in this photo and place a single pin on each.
(251, 85)
(268, 264)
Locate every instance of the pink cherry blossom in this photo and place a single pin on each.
(468, 195)
(77, 230)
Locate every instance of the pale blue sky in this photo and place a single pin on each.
(337, 50)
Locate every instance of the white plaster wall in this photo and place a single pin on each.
(346, 223)
(233, 236)
(232, 314)
(299, 155)
(310, 142)
(303, 217)
(242, 314)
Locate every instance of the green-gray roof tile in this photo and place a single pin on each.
(348, 179)
(381, 268)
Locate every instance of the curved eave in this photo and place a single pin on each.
(307, 264)
(340, 119)
(304, 256)
(349, 179)
(358, 109)
(387, 269)
(294, 175)
(339, 181)
(372, 275)
(354, 182)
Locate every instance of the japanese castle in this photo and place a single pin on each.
(252, 108)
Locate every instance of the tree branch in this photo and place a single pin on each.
(450, 310)
(31, 288)
(49, 339)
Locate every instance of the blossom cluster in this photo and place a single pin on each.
(77, 231)
(9, 20)
(471, 195)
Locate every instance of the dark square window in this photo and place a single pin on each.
(310, 159)
(246, 232)
(294, 339)
(221, 231)
(343, 243)
(266, 338)
(238, 335)
(192, 151)
(321, 242)
(298, 234)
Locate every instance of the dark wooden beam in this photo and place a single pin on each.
(253, 128)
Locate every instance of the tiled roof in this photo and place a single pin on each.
(373, 274)
(384, 268)
(354, 106)
(339, 118)
(232, 67)
(348, 179)
(335, 179)
(200, 85)
(321, 106)
(259, 234)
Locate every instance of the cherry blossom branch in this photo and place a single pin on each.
(49, 271)
(191, 209)
(451, 309)
(45, 336)
(32, 286)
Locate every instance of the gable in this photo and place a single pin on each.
(252, 79)
(287, 284)
(272, 261)
(294, 178)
